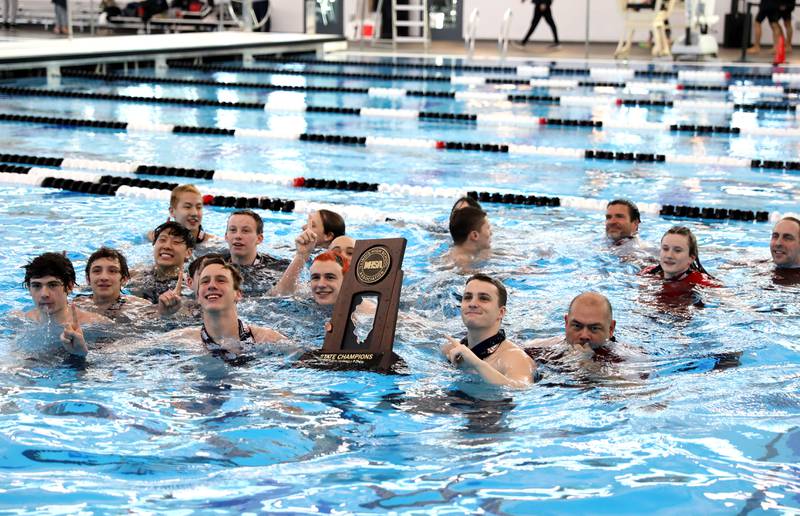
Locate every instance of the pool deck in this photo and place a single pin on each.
(22, 52)
(22, 46)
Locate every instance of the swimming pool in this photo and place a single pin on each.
(158, 428)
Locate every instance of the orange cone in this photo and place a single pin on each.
(780, 51)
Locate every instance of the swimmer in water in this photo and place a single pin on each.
(173, 301)
(260, 271)
(463, 202)
(186, 208)
(222, 332)
(327, 276)
(49, 278)
(172, 246)
(343, 245)
(107, 272)
(588, 329)
(785, 249)
(485, 349)
(785, 243)
(622, 227)
(679, 263)
(472, 236)
(326, 225)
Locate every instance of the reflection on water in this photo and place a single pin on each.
(705, 422)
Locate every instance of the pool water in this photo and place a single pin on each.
(151, 427)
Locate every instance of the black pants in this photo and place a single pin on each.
(538, 13)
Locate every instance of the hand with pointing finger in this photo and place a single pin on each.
(170, 301)
(72, 337)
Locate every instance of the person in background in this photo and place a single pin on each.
(326, 225)
(186, 208)
(10, 14)
(107, 272)
(343, 245)
(541, 9)
(679, 263)
(172, 247)
(472, 236)
(61, 24)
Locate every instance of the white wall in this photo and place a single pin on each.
(570, 16)
(287, 16)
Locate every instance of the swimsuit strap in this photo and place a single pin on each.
(245, 337)
(118, 304)
(201, 235)
(485, 348)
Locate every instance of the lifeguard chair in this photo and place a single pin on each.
(646, 15)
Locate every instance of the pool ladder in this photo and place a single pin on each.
(502, 38)
(469, 32)
(416, 22)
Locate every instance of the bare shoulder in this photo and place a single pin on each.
(546, 342)
(511, 351)
(87, 317)
(136, 301)
(192, 334)
(263, 334)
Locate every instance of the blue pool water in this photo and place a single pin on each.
(150, 427)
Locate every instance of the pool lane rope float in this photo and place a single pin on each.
(89, 182)
(564, 100)
(604, 77)
(497, 118)
(405, 143)
(550, 68)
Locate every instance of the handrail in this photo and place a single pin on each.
(255, 23)
(471, 29)
(505, 28)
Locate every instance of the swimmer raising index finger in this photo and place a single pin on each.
(170, 301)
(179, 282)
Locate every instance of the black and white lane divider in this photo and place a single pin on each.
(406, 143)
(90, 182)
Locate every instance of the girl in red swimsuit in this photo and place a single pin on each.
(679, 263)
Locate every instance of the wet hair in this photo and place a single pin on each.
(472, 202)
(795, 220)
(201, 260)
(50, 264)
(181, 189)
(255, 216)
(333, 256)
(465, 221)
(502, 293)
(332, 222)
(175, 229)
(605, 299)
(633, 210)
(111, 254)
(693, 249)
(236, 276)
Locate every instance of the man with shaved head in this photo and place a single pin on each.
(589, 331)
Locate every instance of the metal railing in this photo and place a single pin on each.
(502, 38)
(469, 32)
